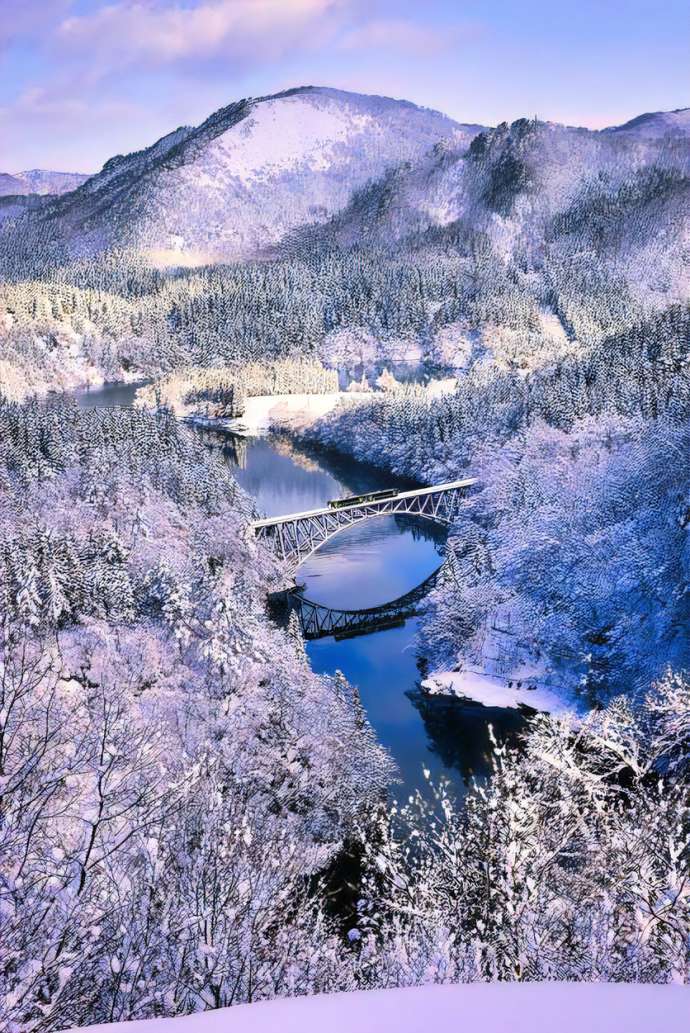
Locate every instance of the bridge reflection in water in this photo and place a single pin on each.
(320, 621)
(295, 536)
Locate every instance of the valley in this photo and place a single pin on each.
(362, 567)
(306, 296)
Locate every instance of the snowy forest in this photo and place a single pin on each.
(181, 795)
(190, 816)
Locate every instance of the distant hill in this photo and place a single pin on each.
(250, 174)
(39, 181)
(11, 185)
(656, 124)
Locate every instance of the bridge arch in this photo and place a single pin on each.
(296, 536)
(320, 621)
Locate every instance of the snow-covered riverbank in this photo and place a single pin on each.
(493, 1008)
(496, 692)
(291, 412)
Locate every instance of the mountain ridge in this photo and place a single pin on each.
(259, 173)
(254, 170)
(40, 182)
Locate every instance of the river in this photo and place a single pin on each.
(361, 567)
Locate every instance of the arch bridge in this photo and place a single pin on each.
(297, 535)
(319, 621)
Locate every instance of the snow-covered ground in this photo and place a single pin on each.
(289, 412)
(295, 412)
(495, 692)
(491, 1008)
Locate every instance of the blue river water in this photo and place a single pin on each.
(363, 566)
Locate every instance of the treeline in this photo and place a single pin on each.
(57, 572)
(56, 337)
(150, 321)
(641, 372)
(581, 528)
(223, 392)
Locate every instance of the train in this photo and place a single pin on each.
(358, 500)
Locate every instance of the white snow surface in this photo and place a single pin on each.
(282, 134)
(45, 181)
(496, 692)
(653, 124)
(491, 1008)
(294, 412)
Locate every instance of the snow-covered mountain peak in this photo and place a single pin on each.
(252, 173)
(653, 124)
(311, 129)
(40, 181)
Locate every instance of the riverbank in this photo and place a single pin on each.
(491, 691)
(293, 413)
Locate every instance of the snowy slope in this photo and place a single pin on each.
(492, 691)
(654, 124)
(40, 181)
(237, 184)
(11, 185)
(497, 1008)
(512, 176)
(539, 190)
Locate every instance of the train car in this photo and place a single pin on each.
(370, 496)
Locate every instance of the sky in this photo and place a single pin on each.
(82, 80)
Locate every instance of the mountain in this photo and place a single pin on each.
(11, 185)
(655, 124)
(253, 172)
(536, 195)
(381, 227)
(40, 181)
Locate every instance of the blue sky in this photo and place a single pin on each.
(81, 80)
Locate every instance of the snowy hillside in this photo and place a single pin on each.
(250, 174)
(498, 1008)
(656, 124)
(539, 193)
(10, 185)
(40, 181)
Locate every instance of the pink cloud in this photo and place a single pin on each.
(139, 32)
(38, 104)
(407, 37)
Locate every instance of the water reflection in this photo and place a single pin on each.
(459, 733)
(107, 395)
(367, 565)
(372, 563)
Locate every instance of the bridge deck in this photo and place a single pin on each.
(449, 486)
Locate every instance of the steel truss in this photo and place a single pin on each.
(293, 538)
(318, 621)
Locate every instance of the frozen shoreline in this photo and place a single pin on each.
(496, 692)
(297, 412)
(284, 412)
